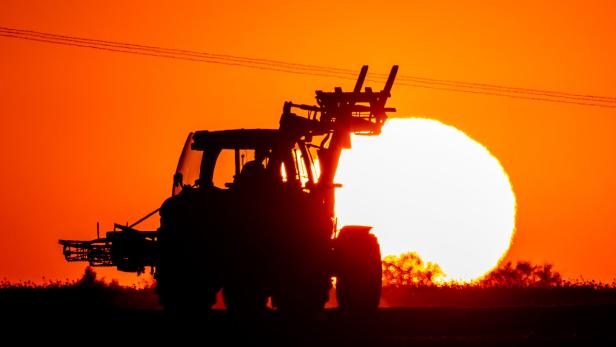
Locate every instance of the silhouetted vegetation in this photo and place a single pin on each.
(87, 292)
(409, 281)
(522, 275)
(410, 270)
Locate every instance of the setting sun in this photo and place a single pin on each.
(427, 187)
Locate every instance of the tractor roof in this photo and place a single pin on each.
(237, 138)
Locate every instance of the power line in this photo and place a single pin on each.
(154, 50)
(351, 73)
(313, 70)
(515, 90)
(511, 95)
(212, 61)
(167, 52)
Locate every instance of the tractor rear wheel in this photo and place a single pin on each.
(302, 297)
(243, 294)
(358, 270)
(182, 282)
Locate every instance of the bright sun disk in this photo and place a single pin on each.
(427, 187)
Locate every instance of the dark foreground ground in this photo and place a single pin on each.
(92, 312)
(561, 325)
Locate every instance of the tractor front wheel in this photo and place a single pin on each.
(358, 270)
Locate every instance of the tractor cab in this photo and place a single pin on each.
(243, 158)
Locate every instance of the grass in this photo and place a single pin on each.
(87, 292)
(407, 282)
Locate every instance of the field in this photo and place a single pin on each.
(564, 325)
(90, 309)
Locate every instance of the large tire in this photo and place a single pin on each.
(187, 276)
(303, 262)
(302, 296)
(243, 300)
(181, 284)
(244, 292)
(358, 270)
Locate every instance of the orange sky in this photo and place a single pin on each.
(92, 136)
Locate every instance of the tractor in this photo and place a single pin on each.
(252, 214)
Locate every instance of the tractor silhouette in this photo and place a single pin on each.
(252, 214)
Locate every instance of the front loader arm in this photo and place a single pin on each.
(338, 115)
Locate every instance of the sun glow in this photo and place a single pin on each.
(428, 188)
